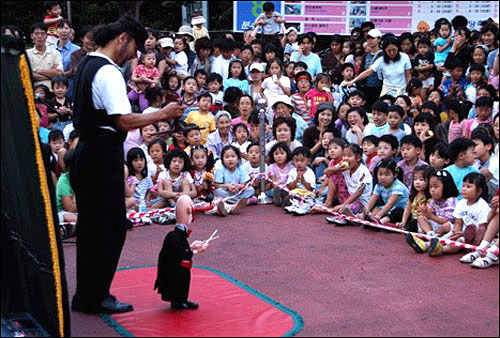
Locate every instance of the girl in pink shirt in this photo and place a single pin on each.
(280, 159)
(458, 121)
(145, 75)
(322, 93)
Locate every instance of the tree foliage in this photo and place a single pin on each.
(161, 15)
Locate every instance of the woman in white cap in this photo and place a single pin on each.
(256, 89)
(372, 85)
(166, 46)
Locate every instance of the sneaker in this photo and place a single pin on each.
(338, 221)
(291, 208)
(291, 204)
(303, 209)
(212, 211)
(435, 248)
(221, 209)
(416, 243)
(236, 209)
(278, 200)
(470, 257)
(485, 262)
(165, 219)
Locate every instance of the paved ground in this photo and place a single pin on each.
(343, 281)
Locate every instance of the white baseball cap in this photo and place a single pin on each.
(166, 42)
(257, 66)
(375, 33)
(282, 99)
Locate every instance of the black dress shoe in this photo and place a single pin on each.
(187, 305)
(111, 305)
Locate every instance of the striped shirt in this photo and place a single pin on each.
(300, 106)
(445, 209)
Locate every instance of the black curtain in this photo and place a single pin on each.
(30, 281)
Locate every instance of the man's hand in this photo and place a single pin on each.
(173, 110)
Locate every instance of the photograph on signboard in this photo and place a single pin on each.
(356, 22)
(293, 9)
(358, 11)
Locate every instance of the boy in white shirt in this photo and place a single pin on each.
(252, 167)
(301, 183)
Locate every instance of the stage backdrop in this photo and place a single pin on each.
(340, 17)
(33, 277)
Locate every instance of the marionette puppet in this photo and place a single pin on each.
(176, 259)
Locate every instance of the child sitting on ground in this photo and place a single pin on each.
(478, 258)
(280, 158)
(229, 183)
(252, 167)
(157, 150)
(337, 190)
(393, 192)
(419, 195)
(176, 180)
(139, 181)
(436, 218)
(301, 183)
(202, 173)
(358, 180)
(471, 214)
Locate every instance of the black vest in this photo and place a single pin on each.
(86, 118)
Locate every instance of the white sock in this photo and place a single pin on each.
(491, 254)
(484, 244)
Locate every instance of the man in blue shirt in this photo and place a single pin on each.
(306, 55)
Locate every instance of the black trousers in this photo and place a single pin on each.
(372, 94)
(97, 177)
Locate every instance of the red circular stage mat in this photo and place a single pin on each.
(227, 308)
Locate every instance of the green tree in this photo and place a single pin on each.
(161, 15)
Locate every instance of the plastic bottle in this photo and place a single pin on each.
(142, 205)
